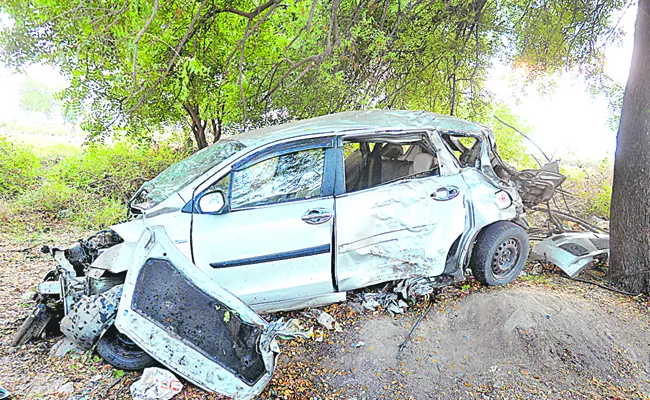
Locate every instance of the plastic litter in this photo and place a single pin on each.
(156, 384)
(3, 394)
(329, 322)
(285, 330)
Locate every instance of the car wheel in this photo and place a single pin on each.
(120, 351)
(499, 254)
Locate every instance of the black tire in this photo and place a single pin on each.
(500, 253)
(119, 351)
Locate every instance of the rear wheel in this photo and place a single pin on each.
(120, 351)
(500, 253)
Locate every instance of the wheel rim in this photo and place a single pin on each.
(124, 342)
(506, 258)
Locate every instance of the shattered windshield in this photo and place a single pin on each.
(180, 174)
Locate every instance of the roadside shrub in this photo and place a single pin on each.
(116, 170)
(91, 187)
(593, 186)
(19, 168)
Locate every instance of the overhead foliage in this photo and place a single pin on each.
(233, 64)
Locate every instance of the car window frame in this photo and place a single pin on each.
(388, 136)
(283, 153)
(264, 152)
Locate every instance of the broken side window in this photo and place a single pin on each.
(369, 164)
(293, 176)
(467, 149)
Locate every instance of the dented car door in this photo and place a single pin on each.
(173, 311)
(401, 229)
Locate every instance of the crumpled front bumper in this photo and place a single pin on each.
(572, 252)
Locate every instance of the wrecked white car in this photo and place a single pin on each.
(283, 218)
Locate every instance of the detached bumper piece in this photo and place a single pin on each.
(572, 252)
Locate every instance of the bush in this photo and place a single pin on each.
(90, 188)
(19, 168)
(593, 186)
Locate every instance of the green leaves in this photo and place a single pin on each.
(143, 64)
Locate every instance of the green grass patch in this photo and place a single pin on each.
(19, 168)
(87, 188)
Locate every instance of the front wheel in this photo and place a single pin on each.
(499, 254)
(120, 351)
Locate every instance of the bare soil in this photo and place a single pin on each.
(542, 337)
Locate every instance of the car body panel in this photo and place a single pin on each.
(186, 321)
(241, 248)
(396, 231)
(572, 251)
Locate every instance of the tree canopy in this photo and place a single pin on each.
(219, 65)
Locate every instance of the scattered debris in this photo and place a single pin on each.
(63, 347)
(329, 322)
(383, 299)
(572, 251)
(156, 384)
(67, 388)
(4, 394)
(412, 287)
(288, 330)
(392, 297)
(358, 344)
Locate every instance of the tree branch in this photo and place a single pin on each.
(316, 59)
(156, 4)
(177, 50)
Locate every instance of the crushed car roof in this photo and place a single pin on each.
(357, 121)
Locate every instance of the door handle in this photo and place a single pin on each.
(445, 193)
(317, 216)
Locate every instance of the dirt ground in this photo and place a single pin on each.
(542, 337)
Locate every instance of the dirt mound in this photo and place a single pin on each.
(530, 341)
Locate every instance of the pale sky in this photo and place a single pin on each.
(568, 122)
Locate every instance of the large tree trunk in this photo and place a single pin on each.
(630, 209)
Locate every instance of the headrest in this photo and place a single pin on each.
(392, 151)
(422, 162)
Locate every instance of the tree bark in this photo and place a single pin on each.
(630, 208)
(198, 126)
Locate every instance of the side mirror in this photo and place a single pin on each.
(212, 202)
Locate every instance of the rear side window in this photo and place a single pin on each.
(293, 176)
(373, 163)
(467, 149)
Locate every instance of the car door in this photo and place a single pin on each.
(403, 228)
(193, 326)
(273, 242)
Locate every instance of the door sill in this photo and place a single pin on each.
(299, 303)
